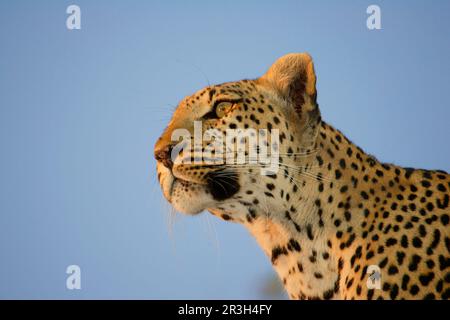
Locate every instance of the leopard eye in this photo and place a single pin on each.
(222, 108)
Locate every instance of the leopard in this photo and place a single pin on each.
(334, 221)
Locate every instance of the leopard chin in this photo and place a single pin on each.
(189, 198)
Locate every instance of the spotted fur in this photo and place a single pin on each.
(331, 210)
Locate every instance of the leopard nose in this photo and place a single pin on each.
(163, 155)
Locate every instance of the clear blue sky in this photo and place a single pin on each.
(81, 110)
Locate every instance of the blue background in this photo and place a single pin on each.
(80, 111)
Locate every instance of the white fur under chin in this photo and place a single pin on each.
(192, 202)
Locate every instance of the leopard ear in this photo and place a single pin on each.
(293, 77)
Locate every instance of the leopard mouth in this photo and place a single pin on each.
(220, 184)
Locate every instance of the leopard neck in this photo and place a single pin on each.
(313, 232)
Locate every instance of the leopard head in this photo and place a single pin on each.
(197, 174)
